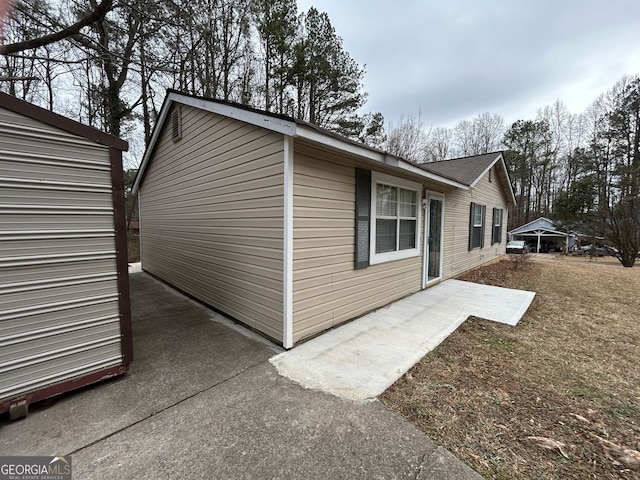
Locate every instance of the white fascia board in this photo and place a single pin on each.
(253, 118)
(409, 167)
(166, 106)
(504, 174)
(505, 178)
(485, 171)
(314, 136)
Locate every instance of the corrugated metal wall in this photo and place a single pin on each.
(59, 311)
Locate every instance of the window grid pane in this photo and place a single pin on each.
(386, 201)
(408, 201)
(385, 235)
(477, 215)
(407, 234)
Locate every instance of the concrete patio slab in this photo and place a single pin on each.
(361, 359)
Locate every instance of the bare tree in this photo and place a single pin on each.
(114, 59)
(96, 13)
(482, 134)
(408, 139)
(438, 144)
(464, 138)
(489, 130)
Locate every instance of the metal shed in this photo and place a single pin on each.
(65, 317)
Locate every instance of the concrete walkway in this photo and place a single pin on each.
(202, 401)
(361, 359)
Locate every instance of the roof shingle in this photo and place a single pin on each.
(464, 170)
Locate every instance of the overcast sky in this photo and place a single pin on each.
(454, 59)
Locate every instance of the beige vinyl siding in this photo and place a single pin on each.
(457, 257)
(59, 298)
(327, 290)
(211, 216)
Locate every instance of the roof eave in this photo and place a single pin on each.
(410, 167)
(485, 171)
(286, 127)
(503, 173)
(311, 135)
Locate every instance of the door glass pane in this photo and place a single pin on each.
(435, 239)
(385, 235)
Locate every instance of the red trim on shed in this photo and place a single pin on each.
(62, 387)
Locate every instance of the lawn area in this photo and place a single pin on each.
(558, 396)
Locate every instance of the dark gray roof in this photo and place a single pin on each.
(465, 170)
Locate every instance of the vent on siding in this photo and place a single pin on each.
(176, 124)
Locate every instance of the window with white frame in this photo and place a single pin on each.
(476, 226)
(395, 218)
(496, 232)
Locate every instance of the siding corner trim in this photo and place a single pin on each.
(287, 268)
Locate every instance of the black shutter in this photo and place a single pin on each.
(484, 221)
(363, 217)
(499, 239)
(471, 227)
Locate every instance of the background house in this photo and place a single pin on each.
(291, 229)
(65, 319)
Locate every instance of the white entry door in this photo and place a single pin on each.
(433, 238)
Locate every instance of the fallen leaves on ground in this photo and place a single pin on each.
(549, 444)
(558, 396)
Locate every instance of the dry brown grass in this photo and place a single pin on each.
(558, 396)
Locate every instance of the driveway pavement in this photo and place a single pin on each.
(202, 401)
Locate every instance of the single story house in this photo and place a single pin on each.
(65, 319)
(542, 236)
(292, 229)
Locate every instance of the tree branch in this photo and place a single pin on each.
(95, 15)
